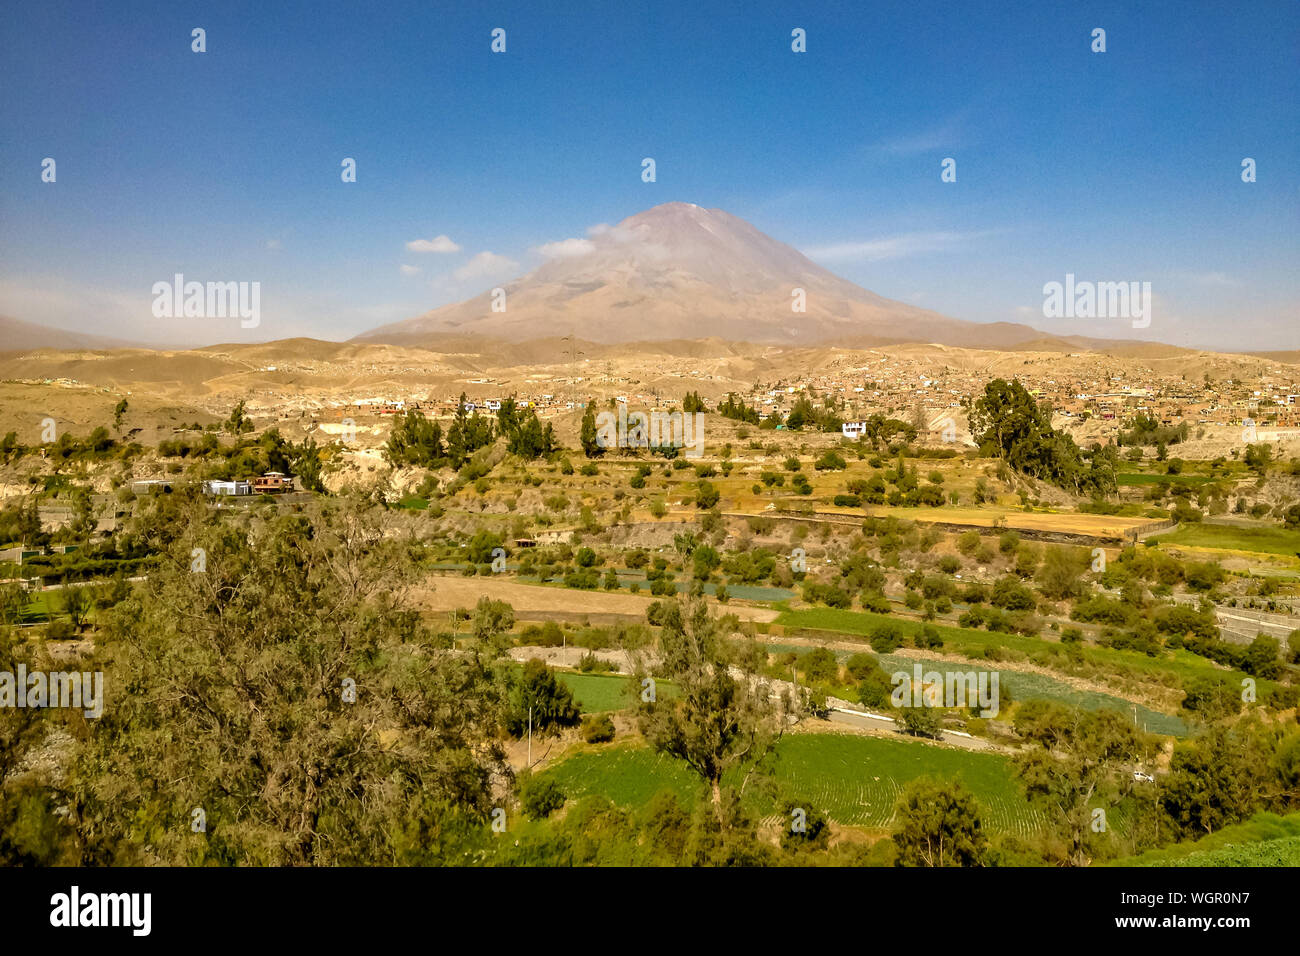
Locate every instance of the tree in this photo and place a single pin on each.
(707, 496)
(920, 722)
(413, 440)
(539, 797)
(291, 693)
(33, 828)
(693, 403)
(118, 411)
(468, 433)
(538, 692)
(807, 828)
(1061, 574)
(77, 603)
(819, 666)
(492, 618)
(717, 721)
(587, 436)
(1257, 457)
(1080, 766)
(306, 466)
(238, 423)
(1007, 422)
(1217, 779)
(940, 825)
(83, 516)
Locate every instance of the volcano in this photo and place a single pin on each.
(679, 271)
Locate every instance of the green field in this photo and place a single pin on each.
(595, 693)
(854, 780)
(1026, 685)
(1180, 663)
(1262, 540)
(1266, 839)
(1021, 685)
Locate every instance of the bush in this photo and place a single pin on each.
(886, 637)
(597, 728)
(707, 496)
(876, 602)
(830, 461)
(819, 666)
(540, 797)
(928, 638)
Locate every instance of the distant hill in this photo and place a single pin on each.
(678, 271)
(19, 336)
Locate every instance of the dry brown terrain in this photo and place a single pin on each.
(448, 593)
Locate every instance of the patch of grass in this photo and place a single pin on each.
(596, 693)
(1232, 538)
(854, 780)
(1266, 839)
(627, 775)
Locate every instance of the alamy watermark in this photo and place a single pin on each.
(1098, 300)
(655, 429)
(54, 689)
(950, 689)
(212, 300)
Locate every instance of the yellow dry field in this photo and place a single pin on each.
(448, 593)
(1098, 525)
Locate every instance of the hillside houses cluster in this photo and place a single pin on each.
(897, 385)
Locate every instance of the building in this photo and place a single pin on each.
(227, 487)
(272, 483)
(853, 429)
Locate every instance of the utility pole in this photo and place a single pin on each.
(573, 362)
(530, 736)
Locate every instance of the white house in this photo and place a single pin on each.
(212, 487)
(853, 429)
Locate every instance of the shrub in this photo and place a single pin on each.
(540, 797)
(886, 637)
(597, 728)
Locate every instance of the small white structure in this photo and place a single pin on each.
(853, 429)
(212, 487)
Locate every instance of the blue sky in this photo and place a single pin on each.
(1115, 166)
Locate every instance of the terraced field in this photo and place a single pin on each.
(827, 622)
(1137, 479)
(1025, 685)
(1022, 685)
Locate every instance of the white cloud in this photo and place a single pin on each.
(436, 244)
(614, 232)
(410, 270)
(566, 248)
(888, 247)
(486, 265)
